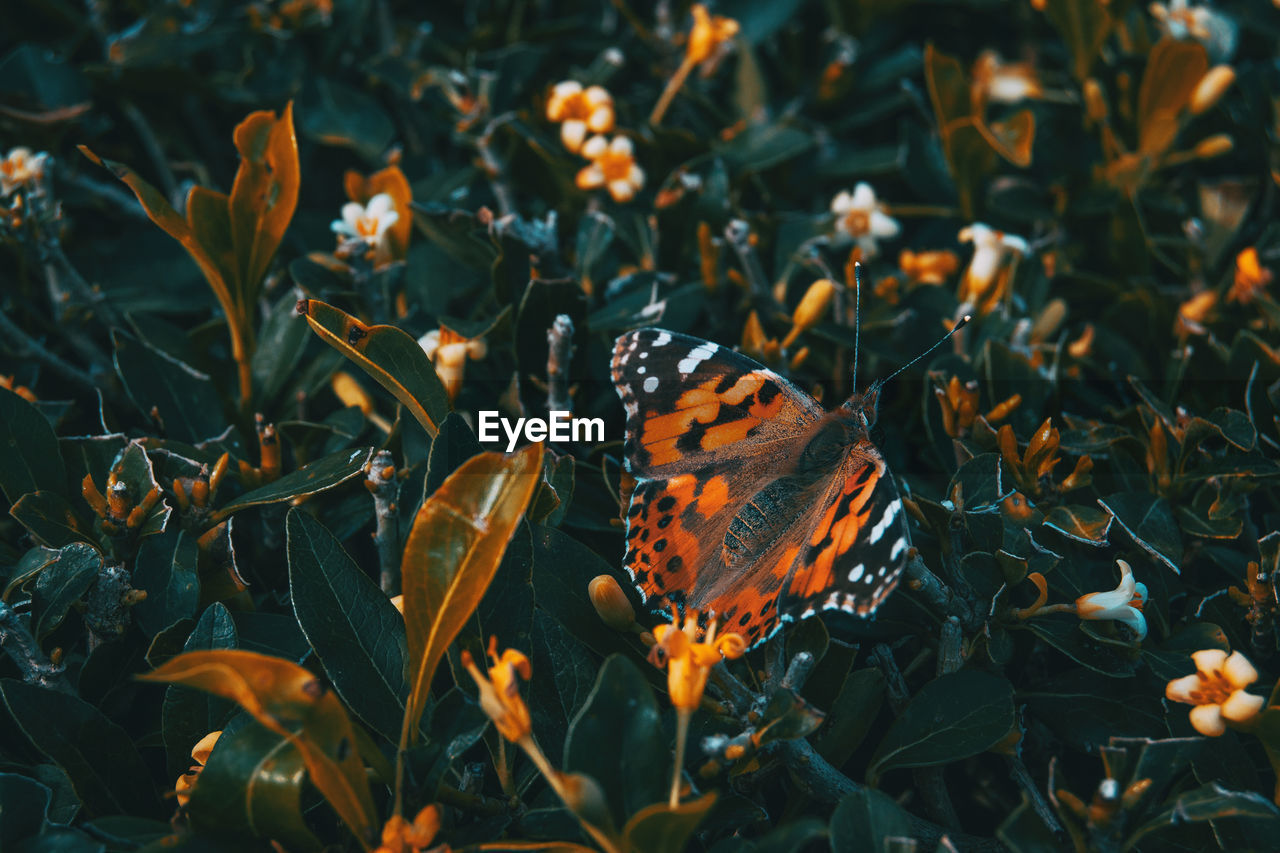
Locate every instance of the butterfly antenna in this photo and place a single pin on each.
(957, 327)
(857, 317)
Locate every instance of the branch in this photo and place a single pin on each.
(559, 354)
(384, 485)
(17, 640)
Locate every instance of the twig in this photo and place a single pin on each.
(492, 168)
(936, 592)
(1018, 771)
(16, 639)
(950, 647)
(559, 354)
(473, 803)
(738, 233)
(798, 671)
(384, 485)
(735, 693)
(25, 345)
(929, 780)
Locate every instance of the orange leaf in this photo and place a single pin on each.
(1173, 70)
(265, 193)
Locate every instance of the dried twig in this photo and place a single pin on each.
(16, 639)
(383, 483)
(559, 355)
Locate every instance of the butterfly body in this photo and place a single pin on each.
(749, 499)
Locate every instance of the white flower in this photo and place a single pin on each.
(1180, 20)
(368, 222)
(450, 351)
(1122, 604)
(581, 111)
(1005, 82)
(992, 252)
(20, 167)
(613, 166)
(1217, 689)
(862, 218)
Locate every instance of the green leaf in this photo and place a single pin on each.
(1082, 524)
(29, 456)
(855, 709)
(1084, 25)
(661, 829)
(133, 469)
(31, 564)
(864, 820)
(290, 701)
(183, 402)
(252, 785)
(1209, 802)
(355, 630)
(452, 553)
(61, 585)
(166, 569)
(97, 755)
(621, 711)
(311, 478)
(1064, 633)
(281, 343)
(453, 445)
(1148, 520)
(50, 519)
(24, 809)
(187, 715)
(1085, 709)
(389, 355)
(952, 717)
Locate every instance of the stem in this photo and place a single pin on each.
(552, 776)
(559, 354)
(493, 169)
(682, 736)
(669, 93)
(1018, 770)
(27, 345)
(384, 485)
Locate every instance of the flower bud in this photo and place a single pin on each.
(611, 603)
(1212, 86)
(1214, 146)
(350, 392)
(1095, 105)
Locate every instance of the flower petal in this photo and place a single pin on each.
(573, 133)
(864, 198)
(595, 147)
(1238, 671)
(883, 225)
(621, 190)
(1207, 720)
(590, 177)
(1181, 689)
(1241, 706)
(1209, 661)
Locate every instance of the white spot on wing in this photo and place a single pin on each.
(696, 356)
(890, 513)
(856, 573)
(642, 370)
(898, 548)
(661, 340)
(651, 384)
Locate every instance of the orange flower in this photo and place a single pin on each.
(688, 661)
(400, 836)
(987, 280)
(580, 111)
(200, 754)
(932, 267)
(613, 166)
(450, 352)
(500, 691)
(1251, 278)
(708, 34)
(1122, 604)
(389, 181)
(611, 603)
(20, 167)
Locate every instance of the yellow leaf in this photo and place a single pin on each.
(290, 701)
(265, 192)
(453, 551)
(948, 87)
(387, 354)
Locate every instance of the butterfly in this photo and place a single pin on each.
(749, 498)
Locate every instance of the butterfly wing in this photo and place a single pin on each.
(855, 543)
(707, 429)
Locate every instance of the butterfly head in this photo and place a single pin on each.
(862, 406)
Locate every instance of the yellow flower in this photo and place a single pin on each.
(613, 166)
(708, 33)
(200, 754)
(986, 281)
(688, 662)
(450, 352)
(1251, 277)
(1122, 604)
(580, 111)
(21, 167)
(1217, 690)
(863, 219)
(500, 691)
(1193, 314)
(400, 836)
